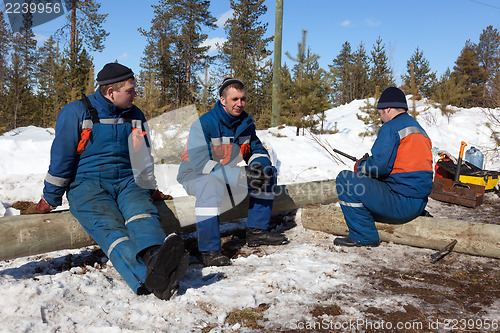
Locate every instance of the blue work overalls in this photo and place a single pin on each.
(113, 210)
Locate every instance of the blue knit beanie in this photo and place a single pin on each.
(392, 97)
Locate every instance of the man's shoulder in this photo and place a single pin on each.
(75, 108)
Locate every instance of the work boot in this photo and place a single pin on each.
(346, 241)
(214, 258)
(258, 237)
(166, 265)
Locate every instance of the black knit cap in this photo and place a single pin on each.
(227, 81)
(113, 72)
(392, 97)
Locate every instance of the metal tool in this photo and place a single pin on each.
(443, 252)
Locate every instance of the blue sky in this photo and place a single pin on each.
(439, 28)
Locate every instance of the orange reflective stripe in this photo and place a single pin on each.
(84, 140)
(185, 156)
(138, 138)
(222, 153)
(414, 154)
(245, 150)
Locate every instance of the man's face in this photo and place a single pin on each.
(384, 115)
(124, 97)
(234, 101)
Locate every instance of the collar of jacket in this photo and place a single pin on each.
(224, 117)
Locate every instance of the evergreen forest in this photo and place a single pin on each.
(36, 81)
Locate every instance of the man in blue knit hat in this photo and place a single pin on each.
(100, 158)
(393, 184)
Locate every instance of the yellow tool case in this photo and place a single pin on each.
(470, 174)
(488, 179)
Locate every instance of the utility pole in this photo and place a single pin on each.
(276, 96)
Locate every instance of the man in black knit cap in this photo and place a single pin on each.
(100, 158)
(391, 185)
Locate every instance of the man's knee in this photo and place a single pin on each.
(345, 182)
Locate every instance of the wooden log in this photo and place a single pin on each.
(35, 234)
(428, 232)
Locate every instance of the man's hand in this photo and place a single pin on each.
(27, 207)
(257, 179)
(159, 196)
(365, 156)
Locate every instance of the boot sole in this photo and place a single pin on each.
(257, 243)
(176, 277)
(166, 260)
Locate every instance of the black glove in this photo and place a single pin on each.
(257, 179)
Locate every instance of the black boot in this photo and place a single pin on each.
(215, 258)
(257, 237)
(346, 241)
(166, 265)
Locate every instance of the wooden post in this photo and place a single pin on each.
(276, 94)
(34, 234)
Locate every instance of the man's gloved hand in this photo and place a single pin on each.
(365, 156)
(27, 208)
(159, 196)
(257, 179)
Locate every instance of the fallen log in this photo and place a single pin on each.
(428, 232)
(35, 234)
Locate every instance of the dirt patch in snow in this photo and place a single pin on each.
(455, 294)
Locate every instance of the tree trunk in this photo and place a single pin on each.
(34, 234)
(434, 233)
(73, 30)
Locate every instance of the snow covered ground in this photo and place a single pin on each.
(280, 287)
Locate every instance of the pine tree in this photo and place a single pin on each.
(244, 54)
(488, 50)
(79, 66)
(51, 79)
(381, 74)
(422, 75)
(21, 77)
(190, 17)
(149, 95)
(84, 22)
(412, 87)
(450, 90)
(371, 116)
(467, 67)
(310, 87)
(17, 97)
(206, 98)
(174, 53)
(261, 109)
(158, 61)
(85, 32)
(286, 115)
(5, 47)
(340, 72)
(360, 71)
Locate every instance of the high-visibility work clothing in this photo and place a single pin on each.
(392, 184)
(94, 162)
(209, 170)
